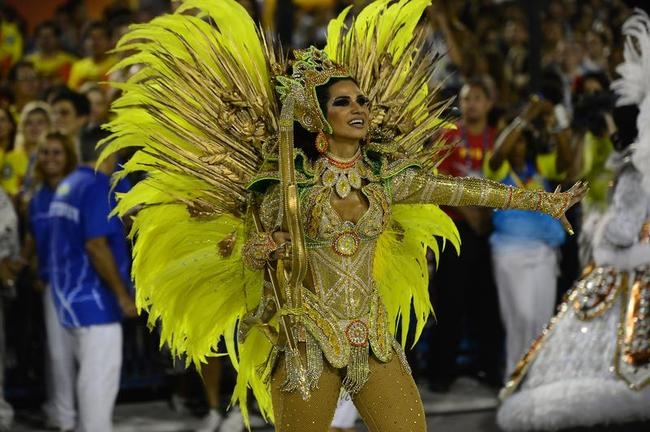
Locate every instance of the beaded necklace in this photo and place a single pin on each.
(342, 174)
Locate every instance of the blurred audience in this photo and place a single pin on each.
(8, 253)
(465, 301)
(554, 84)
(525, 243)
(25, 83)
(52, 63)
(94, 67)
(70, 112)
(35, 123)
(8, 162)
(99, 104)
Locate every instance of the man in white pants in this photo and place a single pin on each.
(89, 275)
(524, 243)
(526, 277)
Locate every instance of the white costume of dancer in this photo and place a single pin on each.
(591, 366)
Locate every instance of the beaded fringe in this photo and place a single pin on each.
(296, 374)
(314, 362)
(402, 357)
(358, 369)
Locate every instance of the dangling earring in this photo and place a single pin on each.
(321, 142)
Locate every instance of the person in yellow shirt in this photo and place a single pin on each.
(51, 62)
(35, 122)
(11, 45)
(7, 138)
(95, 67)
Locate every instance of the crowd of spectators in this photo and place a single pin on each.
(530, 82)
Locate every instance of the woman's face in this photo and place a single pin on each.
(36, 126)
(347, 111)
(52, 158)
(98, 106)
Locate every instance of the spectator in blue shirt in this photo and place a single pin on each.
(55, 158)
(89, 271)
(524, 243)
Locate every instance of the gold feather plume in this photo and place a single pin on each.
(201, 105)
(198, 111)
(384, 49)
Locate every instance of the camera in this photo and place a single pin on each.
(589, 111)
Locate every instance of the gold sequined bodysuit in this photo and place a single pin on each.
(344, 318)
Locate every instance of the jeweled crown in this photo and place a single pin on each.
(310, 69)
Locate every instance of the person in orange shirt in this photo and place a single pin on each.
(95, 67)
(466, 301)
(52, 63)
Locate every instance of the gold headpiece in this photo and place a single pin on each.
(311, 68)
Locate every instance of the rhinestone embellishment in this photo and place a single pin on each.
(357, 333)
(346, 243)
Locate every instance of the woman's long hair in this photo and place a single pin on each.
(32, 107)
(11, 140)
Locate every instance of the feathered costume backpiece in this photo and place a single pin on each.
(206, 118)
(633, 86)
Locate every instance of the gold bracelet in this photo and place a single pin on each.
(258, 249)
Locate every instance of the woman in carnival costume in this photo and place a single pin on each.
(591, 366)
(306, 259)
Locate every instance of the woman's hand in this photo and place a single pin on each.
(261, 248)
(283, 241)
(127, 304)
(574, 195)
(7, 277)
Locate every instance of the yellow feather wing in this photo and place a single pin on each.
(400, 267)
(197, 108)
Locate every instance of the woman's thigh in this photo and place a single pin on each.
(293, 414)
(390, 400)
